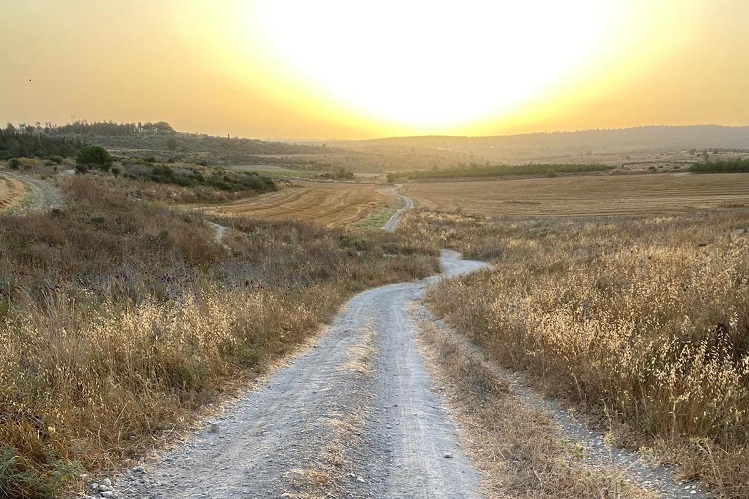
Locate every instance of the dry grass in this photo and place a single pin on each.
(326, 204)
(517, 447)
(11, 191)
(584, 195)
(119, 318)
(647, 320)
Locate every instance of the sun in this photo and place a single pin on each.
(417, 67)
(429, 65)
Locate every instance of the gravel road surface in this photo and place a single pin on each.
(392, 224)
(355, 416)
(43, 195)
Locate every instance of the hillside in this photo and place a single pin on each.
(585, 141)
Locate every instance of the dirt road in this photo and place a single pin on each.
(392, 224)
(42, 195)
(355, 416)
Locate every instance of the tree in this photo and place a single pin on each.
(94, 157)
(171, 143)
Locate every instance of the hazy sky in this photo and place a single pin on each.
(358, 69)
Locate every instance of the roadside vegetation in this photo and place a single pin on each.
(474, 170)
(644, 322)
(120, 317)
(721, 166)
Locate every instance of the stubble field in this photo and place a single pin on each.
(640, 316)
(646, 194)
(324, 204)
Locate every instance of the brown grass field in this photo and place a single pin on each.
(653, 194)
(10, 192)
(639, 317)
(325, 204)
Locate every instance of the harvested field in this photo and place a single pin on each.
(326, 204)
(11, 191)
(585, 195)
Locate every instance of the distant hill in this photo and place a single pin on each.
(623, 139)
(161, 142)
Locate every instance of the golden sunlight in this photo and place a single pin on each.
(422, 67)
(426, 64)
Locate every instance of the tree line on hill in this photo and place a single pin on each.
(721, 166)
(22, 142)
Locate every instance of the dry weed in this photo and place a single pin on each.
(645, 319)
(119, 318)
(516, 446)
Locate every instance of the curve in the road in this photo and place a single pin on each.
(42, 195)
(392, 224)
(355, 416)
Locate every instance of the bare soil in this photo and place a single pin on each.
(11, 191)
(585, 195)
(39, 195)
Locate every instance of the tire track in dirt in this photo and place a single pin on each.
(392, 224)
(42, 195)
(355, 416)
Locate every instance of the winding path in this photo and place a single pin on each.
(355, 416)
(392, 224)
(42, 195)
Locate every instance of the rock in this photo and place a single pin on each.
(214, 427)
(103, 488)
(107, 482)
(738, 232)
(138, 469)
(447, 455)
(107, 493)
(94, 486)
(359, 479)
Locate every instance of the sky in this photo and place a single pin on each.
(342, 69)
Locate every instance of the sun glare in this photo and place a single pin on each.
(428, 64)
(416, 67)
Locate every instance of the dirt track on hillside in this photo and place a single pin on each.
(355, 416)
(392, 224)
(42, 195)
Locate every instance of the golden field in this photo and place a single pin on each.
(329, 204)
(10, 191)
(120, 319)
(636, 194)
(642, 322)
(642, 319)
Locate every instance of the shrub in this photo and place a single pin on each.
(94, 157)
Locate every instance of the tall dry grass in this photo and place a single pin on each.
(646, 320)
(118, 319)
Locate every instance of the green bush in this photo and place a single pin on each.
(721, 166)
(94, 157)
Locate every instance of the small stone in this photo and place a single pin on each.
(139, 469)
(107, 493)
(214, 427)
(107, 482)
(103, 488)
(447, 455)
(359, 479)
(94, 486)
